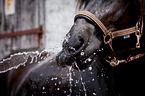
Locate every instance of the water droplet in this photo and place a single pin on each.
(43, 92)
(90, 68)
(43, 88)
(54, 78)
(94, 94)
(91, 72)
(58, 88)
(89, 59)
(74, 74)
(83, 71)
(94, 53)
(59, 82)
(77, 81)
(82, 53)
(73, 48)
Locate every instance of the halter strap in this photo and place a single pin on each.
(95, 19)
(108, 35)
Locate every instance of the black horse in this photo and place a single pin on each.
(82, 67)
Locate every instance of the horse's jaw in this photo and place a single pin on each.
(79, 60)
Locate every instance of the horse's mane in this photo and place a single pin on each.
(83, 3)
(140, 5)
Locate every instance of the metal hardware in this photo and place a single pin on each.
(114, 62)
(109, 37)
(138, 35)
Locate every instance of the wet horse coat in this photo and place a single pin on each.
(79, 69)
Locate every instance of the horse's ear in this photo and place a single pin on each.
(140, 6)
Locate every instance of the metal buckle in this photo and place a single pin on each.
(108, 38)
(114, 62)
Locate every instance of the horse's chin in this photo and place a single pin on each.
(64, 58)
(78, 60)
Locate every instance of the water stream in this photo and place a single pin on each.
(70, 79)
(83, 84)
(20, 59)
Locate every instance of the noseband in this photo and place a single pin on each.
(109, 36)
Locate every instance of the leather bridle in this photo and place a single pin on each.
(109, 36)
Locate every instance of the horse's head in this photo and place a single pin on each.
(85, 40)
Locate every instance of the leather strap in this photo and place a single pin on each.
(95, 19)
(114, 62)
(108, 35)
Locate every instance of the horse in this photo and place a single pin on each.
(102, 55)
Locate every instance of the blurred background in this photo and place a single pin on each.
(28, 25)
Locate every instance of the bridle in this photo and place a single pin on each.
(109, 36)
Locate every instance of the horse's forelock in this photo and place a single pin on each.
(80, 3)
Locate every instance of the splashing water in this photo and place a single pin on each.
(70, 79)
(83, 84)
(20, 59)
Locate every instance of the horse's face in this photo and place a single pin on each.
(84, 38)
(80, 42)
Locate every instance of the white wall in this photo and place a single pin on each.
(59, 17)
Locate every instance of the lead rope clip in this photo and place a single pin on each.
(138, 41)
(114, 62)
(138, 35)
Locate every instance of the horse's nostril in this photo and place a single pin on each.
(80, 44)
(74, 44)
(82, 40)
